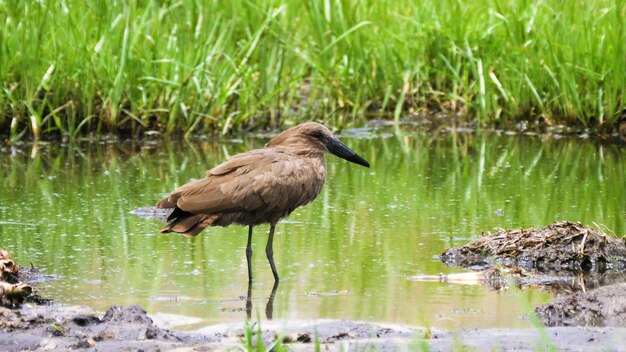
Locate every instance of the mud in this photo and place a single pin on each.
(56, 328)
(605, 306)
(74, 328)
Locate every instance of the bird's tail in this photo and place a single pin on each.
(179, 221)
(189, 224)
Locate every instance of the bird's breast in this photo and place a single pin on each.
(314, 178)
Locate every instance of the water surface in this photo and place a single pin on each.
(66, 209)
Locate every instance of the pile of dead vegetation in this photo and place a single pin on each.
(583, 267)
(14, 286)
(559, 247)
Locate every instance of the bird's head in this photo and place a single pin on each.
(315, 137)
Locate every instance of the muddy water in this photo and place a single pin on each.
(66, 209)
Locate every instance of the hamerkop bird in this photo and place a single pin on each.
(258, 187)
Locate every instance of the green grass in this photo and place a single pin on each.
(74, 67)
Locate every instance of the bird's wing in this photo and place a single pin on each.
(264, 179)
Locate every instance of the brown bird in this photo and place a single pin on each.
(257, 187)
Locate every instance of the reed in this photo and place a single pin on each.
(75, 67)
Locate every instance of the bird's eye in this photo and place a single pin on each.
(317, 134)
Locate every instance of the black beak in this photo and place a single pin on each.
(339, 149)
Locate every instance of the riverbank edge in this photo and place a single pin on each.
(430, 124)
(80, 328)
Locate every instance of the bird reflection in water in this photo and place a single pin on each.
(269, 307)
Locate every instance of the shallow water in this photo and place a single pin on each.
(66, 209)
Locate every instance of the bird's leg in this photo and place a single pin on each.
(249, 254)
(249, 301)
(270, 253)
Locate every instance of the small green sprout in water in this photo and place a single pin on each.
(251, 329)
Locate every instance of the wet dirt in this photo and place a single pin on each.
(604, 306)
(57, 328)
(48, 327)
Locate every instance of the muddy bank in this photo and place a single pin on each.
(334, 335)
(74, 328)
(50, 328)
(605, 306)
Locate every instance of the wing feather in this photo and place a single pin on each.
(266, 180)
